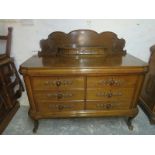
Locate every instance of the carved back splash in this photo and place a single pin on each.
(85, 41)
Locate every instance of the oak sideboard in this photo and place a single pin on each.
(83, 74)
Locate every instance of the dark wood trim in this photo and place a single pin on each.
(9, 40)
(147, 110)
(147, 98)
(8, 117)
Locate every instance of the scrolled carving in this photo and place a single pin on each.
(81, 39)
(44, 45)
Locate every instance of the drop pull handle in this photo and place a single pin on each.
(58, 83)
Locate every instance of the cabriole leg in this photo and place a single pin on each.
(129, 123)
(36, 125)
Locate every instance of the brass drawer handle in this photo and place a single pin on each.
(60, 106)
(110, 82)
(58, 83)
(108, 94)
(104, 106)
(59, 95)
(67, 82)
(65, 95)
(108, 106)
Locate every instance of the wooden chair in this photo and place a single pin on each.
(7, 52)
(7, 38)
(11, 86)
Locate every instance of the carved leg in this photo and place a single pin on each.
(36, 124)
(129, 123)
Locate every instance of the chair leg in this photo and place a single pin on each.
(17, 75)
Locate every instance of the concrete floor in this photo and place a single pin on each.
(21, 124)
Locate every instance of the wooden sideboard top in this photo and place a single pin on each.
(83, 62)
(82, 49)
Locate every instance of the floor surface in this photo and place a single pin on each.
(21, 124)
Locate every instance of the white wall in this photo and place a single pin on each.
(139, 34)
(2, 43)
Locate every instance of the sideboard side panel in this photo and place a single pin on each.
(28, 85)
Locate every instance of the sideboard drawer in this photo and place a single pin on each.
(109, 105)
(111, 81)
(110, 94)
(59, 106)
(59, 95)
(47, 83)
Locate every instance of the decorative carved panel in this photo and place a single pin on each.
(77, 40)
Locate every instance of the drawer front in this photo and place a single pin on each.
(110, 94)
(111, 81)
(47, 83)
(59, 95)
(109, 105)
(59, 106)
